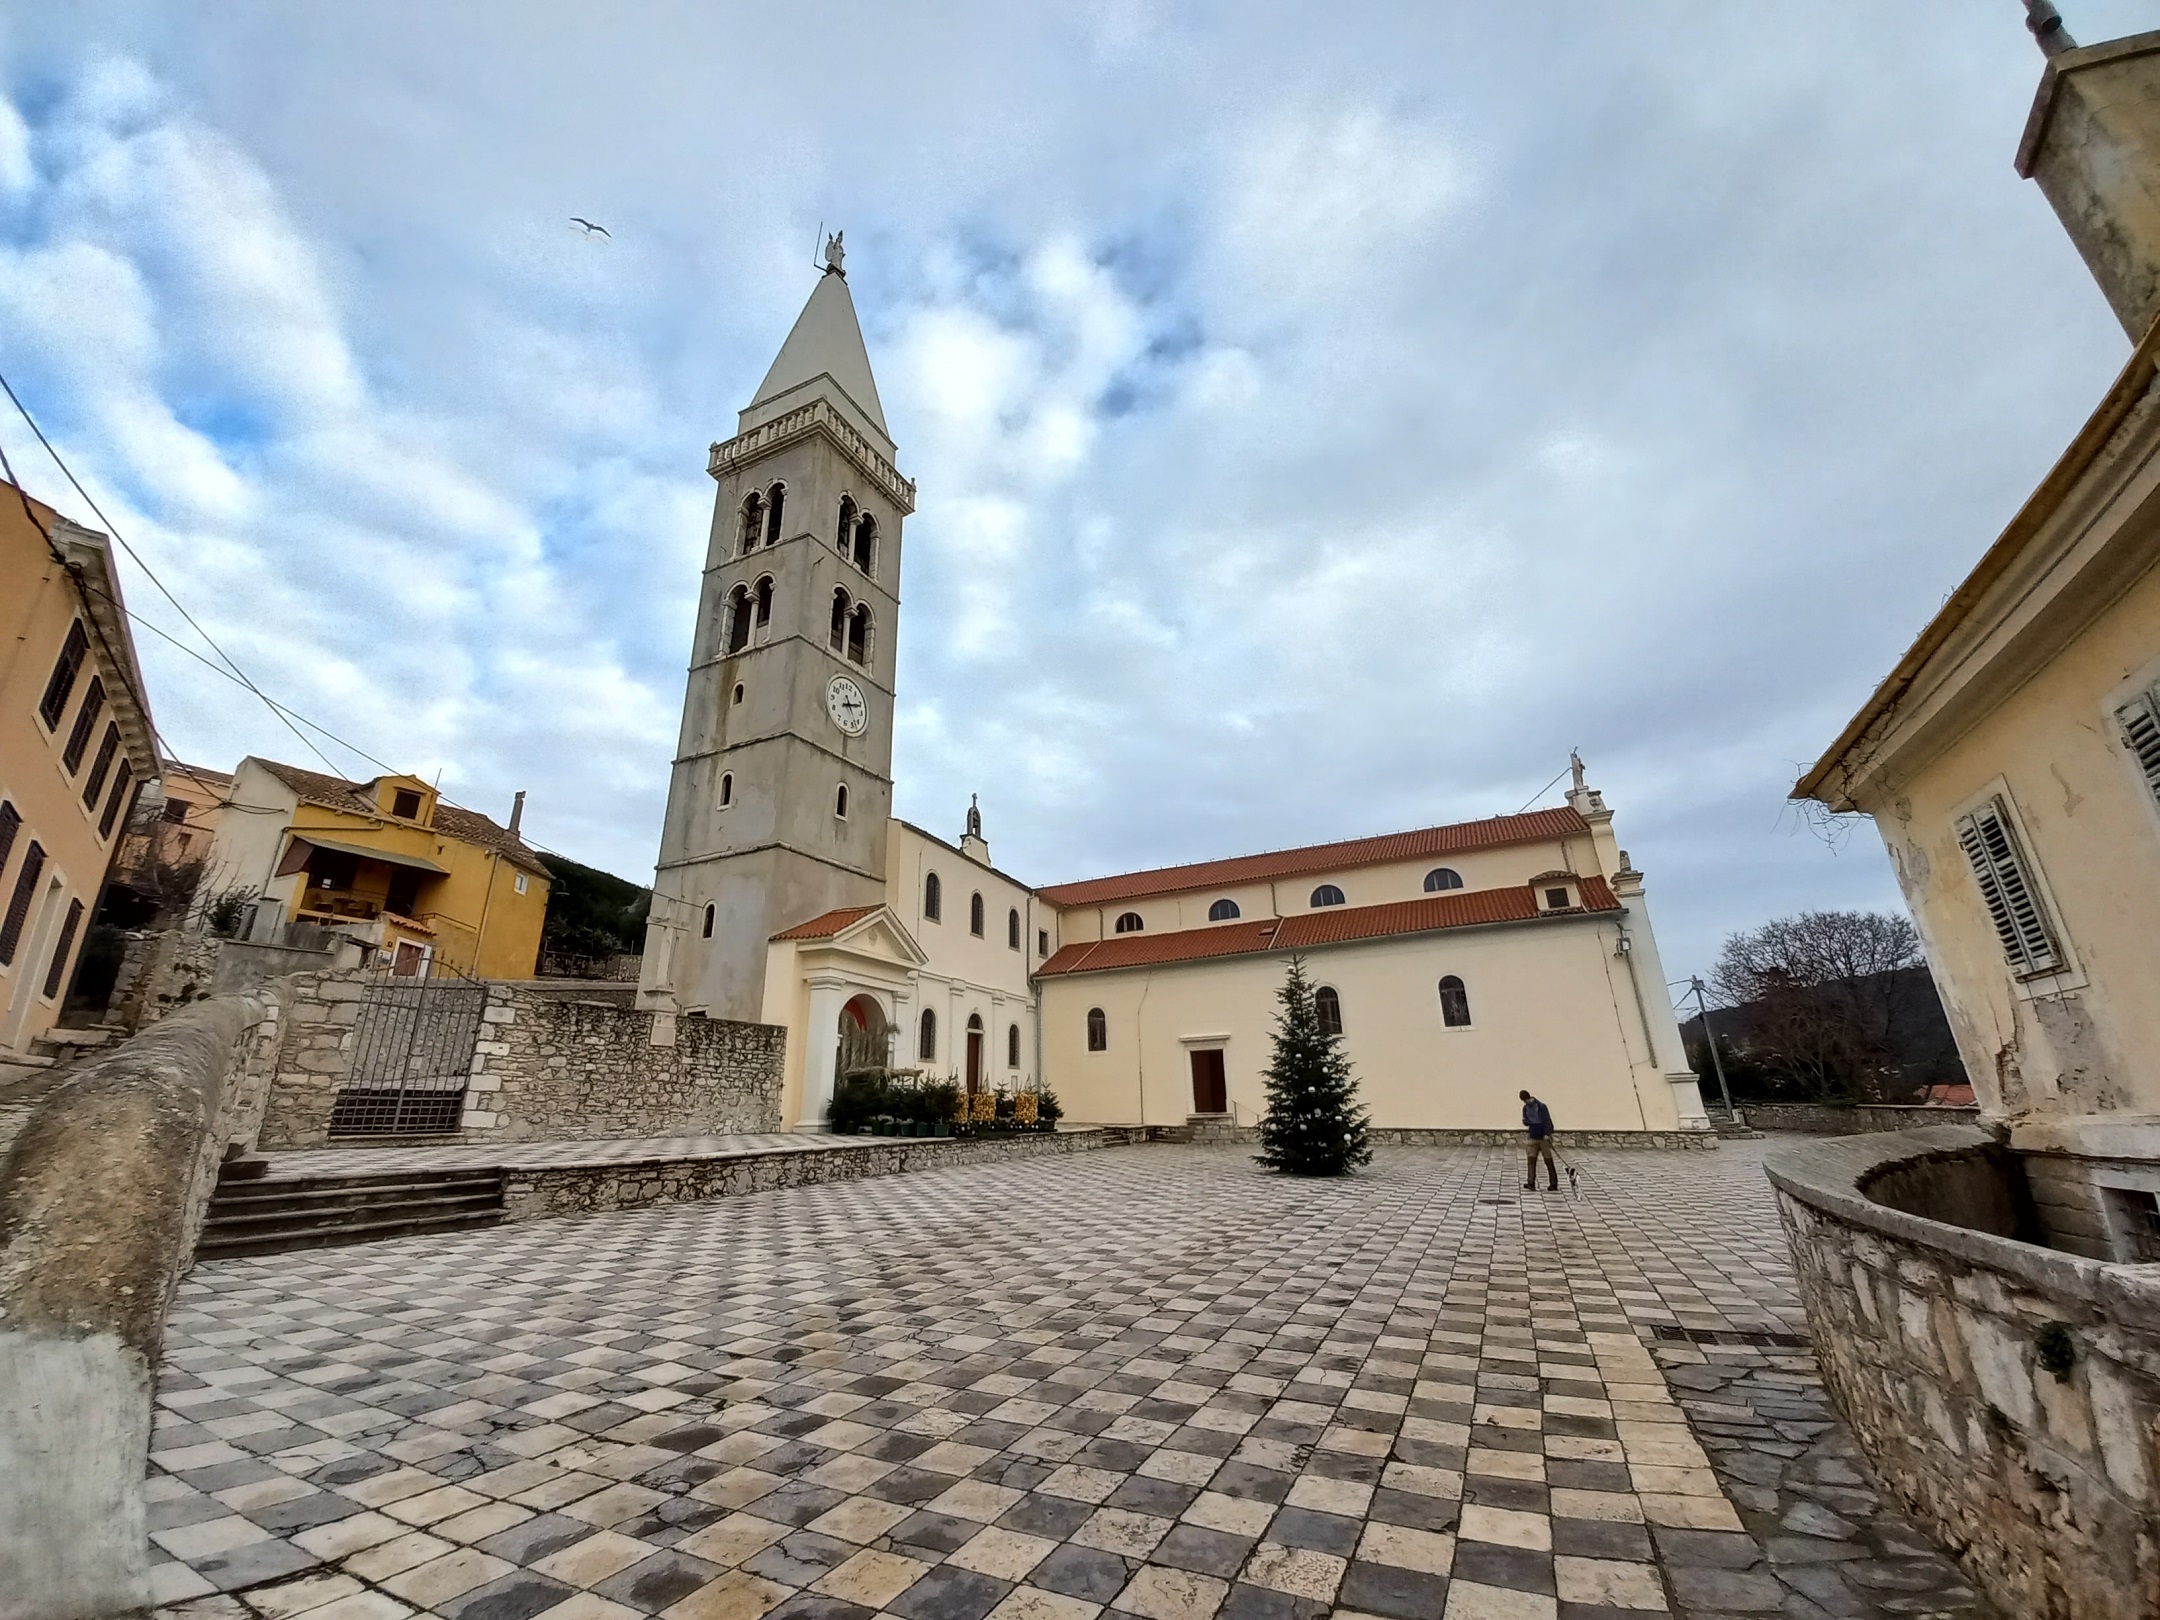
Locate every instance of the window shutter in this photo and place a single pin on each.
(2013, 902)
(2140, 721)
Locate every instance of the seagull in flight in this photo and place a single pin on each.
(591, 229)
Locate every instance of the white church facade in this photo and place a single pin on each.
(1462, 963)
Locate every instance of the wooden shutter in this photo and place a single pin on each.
(2013, 900)
(2140, 722)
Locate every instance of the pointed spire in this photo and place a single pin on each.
(826, 342)
(974, 818)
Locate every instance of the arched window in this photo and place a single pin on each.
(775, 500)
(711, 911)
(840, 605)
(738, 691)
(933, 898)
(1012, 1046)
(1129, 922)
(1328, 1006)
(1441, 878)
(926, 1044)
(839, 802)
(1327, 895)
(1098, 1031)
(975, 1023)
(1012, 928)
(1223, 911)
(764, 604)
(753, 523)
(858, 634)
(1454, 1003)
(866, 544)
(727, 789)
(975, 915)
(738, 621)
(844, 534)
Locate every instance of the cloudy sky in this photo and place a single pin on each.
(1324, 417)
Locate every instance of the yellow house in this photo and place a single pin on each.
(386, 862)
(2011, 760)
(75, 748)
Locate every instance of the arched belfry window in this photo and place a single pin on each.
(1098, 1028)
(1454, 1003)
(975, 915)
(764, 605)
(1012, 928)
(1327, 1007)
(866, 544)
(840, 606)
(844, 533)
(1129, 922)
(1327, 895)
(1012, 1046)
(738, 620)
(753, 523)
(858, 634)
(1225, 910)
(933, 898)
(1442, 878)
(926, 1044)
(775, 503)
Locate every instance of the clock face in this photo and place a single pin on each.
(844, 702)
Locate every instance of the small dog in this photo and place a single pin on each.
(1573, 1191)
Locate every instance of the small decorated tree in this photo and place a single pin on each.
(1314, 1124)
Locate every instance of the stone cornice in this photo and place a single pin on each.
(818, 416)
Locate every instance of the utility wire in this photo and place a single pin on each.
(1547, 788)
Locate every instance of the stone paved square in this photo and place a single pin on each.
(1149, 1381)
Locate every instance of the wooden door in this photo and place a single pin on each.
(1210, 1092)
(974, 1061)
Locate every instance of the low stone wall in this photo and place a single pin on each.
(1217, 1134)
(2008, 1394)
(547, 1065)
(531, 1192)
(1828, 1119)
(102, 1196)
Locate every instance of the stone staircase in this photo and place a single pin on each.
(1731, 1127)
(251, 1213)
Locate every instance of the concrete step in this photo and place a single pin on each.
(255, 1213)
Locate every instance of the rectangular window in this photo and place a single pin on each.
(93, 705)
(1556, 899)
(18, 911)
(119, 798)
(2140, 722)
(60, 951)
(62, 684)
(1042, 942)
(94, 783)
(1990, 843)
(10, 825)
(521, 883)
(176, 809)
(405, 804)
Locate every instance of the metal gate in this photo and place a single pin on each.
(412, 1054)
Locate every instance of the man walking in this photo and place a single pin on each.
(1537, 1120)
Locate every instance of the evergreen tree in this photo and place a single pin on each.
(1314, 1125)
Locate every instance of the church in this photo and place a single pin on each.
(1460, 963)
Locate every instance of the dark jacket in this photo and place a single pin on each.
(1537, 1118)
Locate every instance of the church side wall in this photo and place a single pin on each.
(1547, 1015)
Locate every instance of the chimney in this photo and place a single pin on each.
(517, 812)
(2093, 145)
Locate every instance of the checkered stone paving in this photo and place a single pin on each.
(1147, 1382)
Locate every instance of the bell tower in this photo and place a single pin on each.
(782, 783)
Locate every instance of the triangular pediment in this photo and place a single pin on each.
(878, 934)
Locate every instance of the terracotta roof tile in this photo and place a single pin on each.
(827, 925)
(466, 826)
(1558, 822)
(1332, 925)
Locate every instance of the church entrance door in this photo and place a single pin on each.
(1210, 1092)
(974, 1056)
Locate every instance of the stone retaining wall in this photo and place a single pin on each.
(1216, 1134)
(102, 1196)
(1827, 1119)
(2008, 1394)
(531, 1192)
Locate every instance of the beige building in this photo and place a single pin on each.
(1464, 963)
(2011, 760)
(75, 747)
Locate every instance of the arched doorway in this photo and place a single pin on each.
(974, 1053)
(865, 1041)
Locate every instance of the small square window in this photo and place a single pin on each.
(176, 809)
(405, 804)
(521, 883)
(1042, 942)
(1556, 899)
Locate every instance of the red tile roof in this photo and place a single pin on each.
(466, 826)
(1559, 822)
(1332, 925)
(828, 925)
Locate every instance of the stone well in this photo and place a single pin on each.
(2007, 1393)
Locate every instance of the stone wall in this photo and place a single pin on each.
(161, 971)
(532, 1191)
(1826, 1119)
(1214, 1132)
(2007, 1394)
(546, 1066)
(102, 1196)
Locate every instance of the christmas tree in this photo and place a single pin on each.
(1314, 1125)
